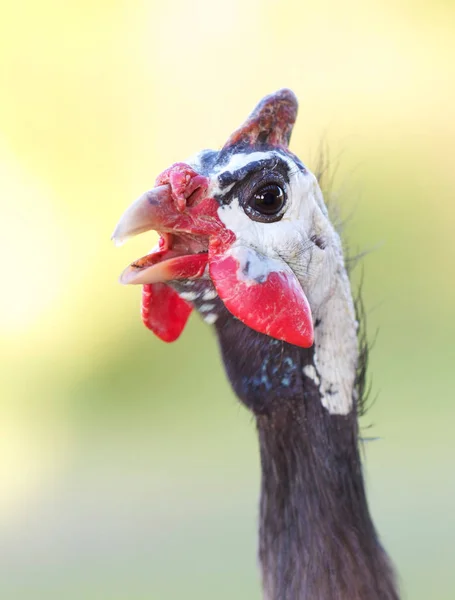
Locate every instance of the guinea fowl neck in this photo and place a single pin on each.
(317, 539)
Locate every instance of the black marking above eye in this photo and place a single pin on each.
(260, 187)
(268, 200)
(262, 165)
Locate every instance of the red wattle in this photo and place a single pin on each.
(163, 311)
(277, 306)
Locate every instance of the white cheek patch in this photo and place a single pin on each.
(253, 267)
(282, 237)
(282, 240)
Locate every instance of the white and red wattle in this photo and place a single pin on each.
(262, 293)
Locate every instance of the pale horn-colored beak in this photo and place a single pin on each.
(145, 214)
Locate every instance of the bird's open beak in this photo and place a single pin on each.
(180, 211)
(172, 258)
(182, 249)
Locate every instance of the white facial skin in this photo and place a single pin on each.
(320, 270)
(289, 239)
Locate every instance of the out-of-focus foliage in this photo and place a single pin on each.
(127, 468)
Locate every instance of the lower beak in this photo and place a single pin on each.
(162, 266)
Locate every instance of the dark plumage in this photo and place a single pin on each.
(317, 540)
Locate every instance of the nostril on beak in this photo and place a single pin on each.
(196, 190)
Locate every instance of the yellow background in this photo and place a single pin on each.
(127, 468)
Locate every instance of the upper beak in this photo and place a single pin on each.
(159, 210)
(190, 221)
(152, 210)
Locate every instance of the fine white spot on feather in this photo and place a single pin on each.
(209, 295)
(190, 296)
(211, 318)
(206, 307)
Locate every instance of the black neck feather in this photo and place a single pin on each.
(317, 540)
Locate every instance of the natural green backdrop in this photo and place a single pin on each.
(128, 471)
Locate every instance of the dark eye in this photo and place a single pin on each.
(268, 200)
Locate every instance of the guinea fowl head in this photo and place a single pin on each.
(243, 229)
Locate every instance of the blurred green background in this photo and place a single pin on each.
(128, 470)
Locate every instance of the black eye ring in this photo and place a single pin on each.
(268, 200)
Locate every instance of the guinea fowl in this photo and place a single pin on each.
(246, 240)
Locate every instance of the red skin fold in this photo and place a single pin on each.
(277, 307)
(163, 311)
